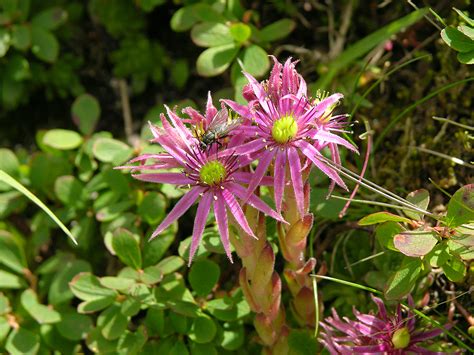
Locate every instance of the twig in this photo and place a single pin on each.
(338, 44)
(127, 113)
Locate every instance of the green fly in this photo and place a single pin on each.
(218, 128)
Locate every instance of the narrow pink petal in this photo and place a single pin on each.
(246, 148)
(196, 117)
(202, 212)
(237, 212)
(220, 213)
(280, 174)
(381, 307)
(317, 111)
(178, 210)
(245, 178)
(313, 154)
(263, 163)
(255, 202)
(259, 92)
(240, 109)
(165, 178)
(211, 111)
(295, 172)
(332, 138)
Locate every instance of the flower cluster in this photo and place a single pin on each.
(280, 127)
(381, 333)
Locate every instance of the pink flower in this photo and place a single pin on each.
(287, 127)
(376, 334)
(213, 178)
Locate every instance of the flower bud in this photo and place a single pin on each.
(401, 338)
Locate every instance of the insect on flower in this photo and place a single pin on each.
(218, 128)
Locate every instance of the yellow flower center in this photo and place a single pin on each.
(284, 129)
(212, 173)
(401, 338)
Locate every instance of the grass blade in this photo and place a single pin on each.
(7, 179)
(366, 44)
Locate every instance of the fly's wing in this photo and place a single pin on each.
(224, 129)
(218, 120)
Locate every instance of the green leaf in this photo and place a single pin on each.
(170, 264)
(457, 40)
(179, 322)
(468, 31)
(469, 20)
(232, 337)
(454, 269)
(203, 330)
(215, 60)
(152, 208)
(62, 139)
(179, 348)
(302, 342)
(183, 19)
(8, 163)
(403, 280)
(113, 211)
(463, 246)
(21, 37)
(98, 344)
(4, 328)
(112, 322)
(70, 191)
(11, 281)
(211, 34)
(255, 60)
(4, 305)
(366, 44)
(59, 291)
(155, 321)
(240, 32)
(18, 68)
(149, 5)
(415, 243)
(156, 249)
(5, 40)
(41, 313)
(127, 248)
(116, 283)
(381, 217)
(130, 307)
(461, 207)
(44, 44)
(85, 112)
(74, 326)
(108, 150)
(385, 233)
(22, 341)
(95, 305)
(12, 254)
(203, 276)
(421, 199)
(439, 255)
(203, 349)
(87, 287)
(132, 343)
(277, 30)
(466, 58)
(50, 19)
(16, 185)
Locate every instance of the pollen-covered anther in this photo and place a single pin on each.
(284, 129)
(212, 173)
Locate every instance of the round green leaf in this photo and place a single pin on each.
(183, 19)
(461, 207)
(211, 34)
(421, 199)
(62, 139)
(255, 60)
(457, 40)
(277, 30)
(240, 32)
(152, 207)
(467, 57)
(109, 150)
(203, 349)
(74, 326)
(403, 280)
(232, 336)
(85, 113)
(22, 341)
(21, 37)
(127, 248)
(69, 190)
(302, 342)
(203, 276)
(203, 330)
(41, 313)
(215, 60)
(5, 40)
(44, 44)
(112, 322)
(98, 344)
(454, 269)
(11, 281)
(415, 243)
(50, 19)
(8, 163)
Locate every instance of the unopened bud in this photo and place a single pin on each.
(401, 338)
